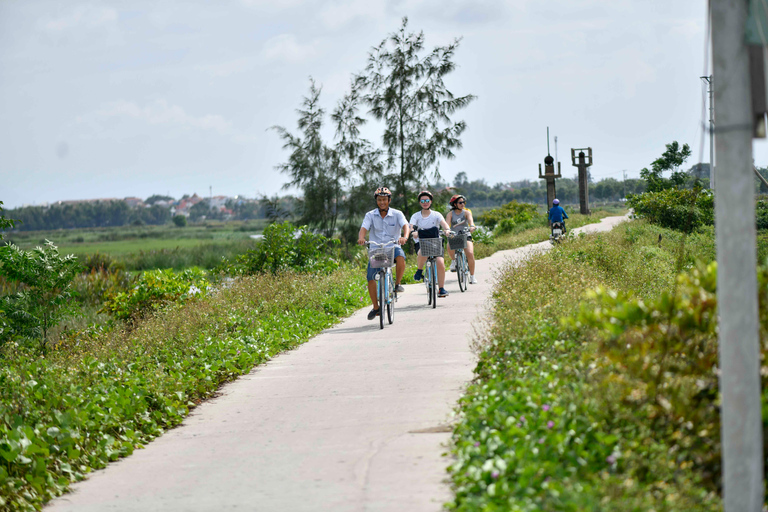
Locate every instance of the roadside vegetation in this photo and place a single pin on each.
(596, 385)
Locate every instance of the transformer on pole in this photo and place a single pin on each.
(582, 163)
(549, 174)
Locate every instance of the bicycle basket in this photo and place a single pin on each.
(381, 258)
(457, 241)
(431, 246)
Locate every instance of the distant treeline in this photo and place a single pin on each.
(86, 215)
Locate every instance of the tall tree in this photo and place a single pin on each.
(360, 159)
(313, 167)
(404, 88)
(671, 160)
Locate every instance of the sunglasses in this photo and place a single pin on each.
(426, 201)
(460, 202)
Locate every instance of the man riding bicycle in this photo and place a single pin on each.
(557, 214)
(384, 224)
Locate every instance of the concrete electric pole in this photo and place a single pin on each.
(735, 232)
(708, 80)
(582, 164)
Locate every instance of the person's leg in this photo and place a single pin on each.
(441, 272)
(373, 294)
(420, 261)
(469, 252)
(399, 269)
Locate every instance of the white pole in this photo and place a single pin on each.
(737, 261)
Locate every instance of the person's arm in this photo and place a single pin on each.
(449, 217)
(406, 233)
(444, 225)
(565, 215)
(471, 221)
(361, 236)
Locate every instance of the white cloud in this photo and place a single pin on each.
(286, 47)
(338, 13)
(82, 16)
(158, 113)
(224, 69)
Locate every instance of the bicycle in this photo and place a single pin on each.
(382, 257)
(457, 242)
(432, 248)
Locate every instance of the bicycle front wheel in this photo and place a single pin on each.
(461, 270)
(392, 297)
(434, 286)
(382, 297)
(428, 282)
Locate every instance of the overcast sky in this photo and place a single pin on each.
(118, 98)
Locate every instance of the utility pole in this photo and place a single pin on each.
(735, 233)
(708, 80)
(625, 183)
(556, 160)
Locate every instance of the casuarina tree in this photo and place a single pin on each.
(313, 167)
(403, 86)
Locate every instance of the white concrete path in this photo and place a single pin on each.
(353, 420)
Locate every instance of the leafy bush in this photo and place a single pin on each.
(683, 210)
(677, 396)
(543, 426)
(513, 212)
(761, 214)
(285, 247)
(43, 291)
(156, 289)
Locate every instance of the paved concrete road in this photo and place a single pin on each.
(354, 420)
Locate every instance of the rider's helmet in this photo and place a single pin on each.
(425, 193)
(555, 202)
(382, 191)
(455, 198)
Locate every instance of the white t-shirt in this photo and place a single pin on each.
(382, 230)
(421, 222)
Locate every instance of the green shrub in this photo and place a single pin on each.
(156, 289)
(680, 209)
(543, 425)
(285, 247)
(102, 394)
(42, 295)
(676, 396)
(761, 214)
(513, 211)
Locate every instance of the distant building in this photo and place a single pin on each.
(134, 202)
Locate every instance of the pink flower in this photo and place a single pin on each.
(477, 444)
(550, 424)
(610, 459)
(522, 419)
(495, 474)
(541, 440)
(545, 407)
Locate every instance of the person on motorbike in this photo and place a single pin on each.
(461, 214)
(384, 224)
(426, 224)
(557, 214)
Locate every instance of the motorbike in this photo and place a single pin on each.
(557, 232)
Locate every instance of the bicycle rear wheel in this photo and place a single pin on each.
(391, 299)
(460, 270)
(382, 297)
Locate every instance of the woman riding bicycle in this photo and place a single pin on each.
(385, 224)
(461, 214)
(426, 224)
